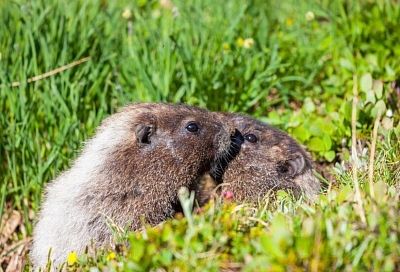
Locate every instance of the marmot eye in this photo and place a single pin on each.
(250, 138)
(192, 127)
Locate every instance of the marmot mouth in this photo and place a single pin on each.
(221, 162)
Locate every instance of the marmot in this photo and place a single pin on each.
(130, 173)
(269, 160)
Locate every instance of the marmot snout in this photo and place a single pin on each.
(269, 160)
(129, 173)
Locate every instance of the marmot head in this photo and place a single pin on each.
(269, 160)
(185, 136)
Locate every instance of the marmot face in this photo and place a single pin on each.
(269, 160)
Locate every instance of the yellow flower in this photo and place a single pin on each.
(310, 16)
(127, 14)
(248, 43)
(289, 21)
(111, 256)
(226, 46)
(72, 258)
(240, 42)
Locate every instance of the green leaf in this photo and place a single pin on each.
(295, 120)
(301, 134)
(273, 118)
(137, 249)
(308, 105)
(390, 72)
(304, 247)
(345, 193)
(366, 83)
(316, 144)
(380, 107)
(372, 60)
(271, 247)
(347, 64)
(370, 97)
(378, 88)
(329, 155)
(327, 141)
(278, 236)
(380, 189)
(360, 251)
(167, 234)
(165, 257)
(345, 110)
(321, 126)
(280, 229)
(316, 129)
(366, 87)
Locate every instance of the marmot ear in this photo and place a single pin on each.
(144, 132)
(293, 167)
(296, 165)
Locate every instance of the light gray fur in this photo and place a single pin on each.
(60, 216)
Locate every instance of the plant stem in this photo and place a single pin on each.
(354, 158)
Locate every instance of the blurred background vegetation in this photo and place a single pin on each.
(289, 63)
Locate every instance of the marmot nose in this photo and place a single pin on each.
(237, 137)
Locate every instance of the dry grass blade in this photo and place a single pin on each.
(52, 72)
(15, 255)
(354, 158)
(314, 264)
(231, 267)
(258, 220)
(9, 225)
(12, 252)
(372, 155)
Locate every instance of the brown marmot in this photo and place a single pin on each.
(269, 160)
(130, 173)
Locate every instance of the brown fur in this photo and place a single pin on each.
(276, 161)
(130, 172)
(140, 183)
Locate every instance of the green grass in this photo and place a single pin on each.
(298, 75)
